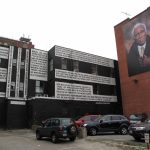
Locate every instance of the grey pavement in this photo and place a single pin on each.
(25, 140)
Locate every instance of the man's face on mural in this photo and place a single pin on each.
(140, 35)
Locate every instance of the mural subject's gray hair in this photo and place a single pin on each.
(138, 25)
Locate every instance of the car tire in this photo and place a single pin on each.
(123, 130)
(72, 138)
(54, 138)
(92, 131)
(38, 136)
(72, 130)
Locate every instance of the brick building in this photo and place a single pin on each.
(134, 80)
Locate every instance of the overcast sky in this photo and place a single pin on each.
(84, 25)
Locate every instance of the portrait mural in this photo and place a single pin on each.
(136, 35)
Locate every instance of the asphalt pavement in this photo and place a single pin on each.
(25, 140)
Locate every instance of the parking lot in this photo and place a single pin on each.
(25, 140)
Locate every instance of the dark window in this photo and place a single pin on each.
(13, 77)
(63, 63)
(23, 54)
(22, 65)
(22, 72)
(15, 52)
(14, 62)
(21, 86)
(96, 89)
(94, 69)
(75, 65)
(3, 63)
(51, 65)
(116, 118)
(48, 123)
(39, 88)
(107, 118)
(55, 122)
(13, 86)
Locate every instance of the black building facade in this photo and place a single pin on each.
(37, 84)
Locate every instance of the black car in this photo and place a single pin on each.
(56, 128)
(108, 123)
(137, 117)
(137, 130)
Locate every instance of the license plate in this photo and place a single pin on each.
(64, 134)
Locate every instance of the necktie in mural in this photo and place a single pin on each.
(142, 52)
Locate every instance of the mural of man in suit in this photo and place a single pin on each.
(138, 57)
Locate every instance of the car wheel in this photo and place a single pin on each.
(72, 130)
(72, 138)
(93, 131)
(54, 138)
(123, 130)
(38, 136)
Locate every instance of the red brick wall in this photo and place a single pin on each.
(135, 89)
(6, 41)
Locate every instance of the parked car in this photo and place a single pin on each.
(137, 130)
(56, 128)
(108, 123)
(84, 119)
(137, 117)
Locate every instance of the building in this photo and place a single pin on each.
(37, 84)
(134, 72)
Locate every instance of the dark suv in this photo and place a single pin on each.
(137, 117)
(56, 128)
(108, 123)
(139, 129)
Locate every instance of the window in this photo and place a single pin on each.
(55, 122)
(107, 118)
(48, 123)
(75, 66)
(14, 62)
(22, 64)
(13, 86)
(64, 63)
(94, 69)
(96, 89)
(51, 65)
(21, 86)
(115, 117)
(39, 87)
(0, 60)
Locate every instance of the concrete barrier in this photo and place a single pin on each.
(82, 132)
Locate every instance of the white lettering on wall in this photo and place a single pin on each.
(4, 52)
(80, 92)
(82, 56)
(38, 65)
(78, 76)
(8, 86)
(3, 74)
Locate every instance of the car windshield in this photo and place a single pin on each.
(147, 120)
(89, 118)
(135, 117)
(66, 121)
(98, 118)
